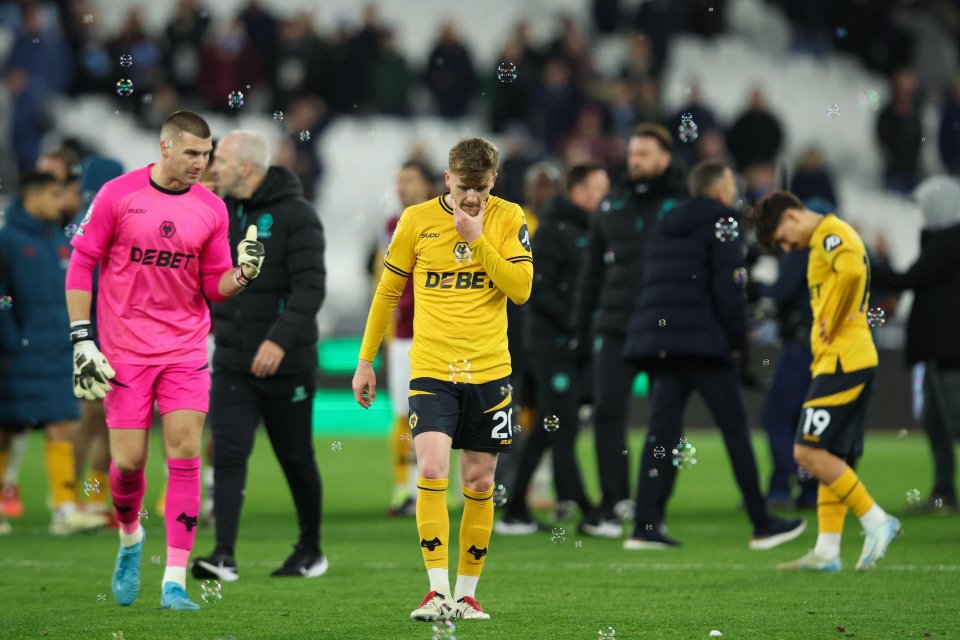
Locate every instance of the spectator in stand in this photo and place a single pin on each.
(94, 67)
(949, 139)
(589, 141)
(756, 136)
(510, 99)
(231, 64)
(899, 132)
(607, 15)
(185, 36)
(303, 64)
(263, 29)
(640, 61)
(572, 47)
(134, 41)
(390, 78)
(703, 116)
(450, 76)
(556, 103)
(363, 50)
(811, 178)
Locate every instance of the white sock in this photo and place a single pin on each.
(208, 479)
(130, 539)
(175, 574)
(466, 586)
(828, 545)
(18, 448)
(439, 581)
(874, 517)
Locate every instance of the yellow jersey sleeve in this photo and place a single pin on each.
(510, 266)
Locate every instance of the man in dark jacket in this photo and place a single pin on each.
(932, 336)
(606, 292)
(689, 326)
(35, 354)
(266, 353)
(561, 246)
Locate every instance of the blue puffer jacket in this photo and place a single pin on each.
(36, 370)
(691, 301)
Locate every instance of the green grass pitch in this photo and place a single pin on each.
(532, 587)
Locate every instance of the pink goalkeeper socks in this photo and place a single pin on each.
(127, 490)
(183, 502)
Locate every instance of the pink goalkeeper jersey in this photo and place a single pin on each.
(158, 252)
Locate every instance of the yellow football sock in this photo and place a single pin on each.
(851, 492)
(830, 511)
(400, 450)
(61, 472)
(475, 528)
(433, 522)
(101, 480)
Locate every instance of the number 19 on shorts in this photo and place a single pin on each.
(815, 422)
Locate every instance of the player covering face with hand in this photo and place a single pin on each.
(161, 242)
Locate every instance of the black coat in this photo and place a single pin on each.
(608, 284)
(282, 303)
(690, 303)
(935, 279)
(561, 247)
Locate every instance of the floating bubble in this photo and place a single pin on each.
(124, 87)
(684, 455)
(147, 98)
(868, 100)
(70, 230)
(659, 453)
(305, 136)
(740, 275)
(336, 446)
(687, 130)
(101, 597)
(833, 111)
(460, 371)
(727, 229)
(654, 473)
(499, 495)
(649, 527)
(235, 99)
(88, 18)
(405, 437)
(6, 302)
(803, 475)
(154, 559)
(578, 544)
(551, 423)
(143, 514)
(518, 429)
(662, 322)
(506, 390)
(609, 257)
(876, 317)
(506, 72)
(913, 496)
(938, 503)
(91, 487)
(766, 362)
(126, 60)
(278, 116)
(443, 630)
(558, 535)
(211, 591)
(607, 633)
(117, 635)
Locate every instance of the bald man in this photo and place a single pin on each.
(266, 352)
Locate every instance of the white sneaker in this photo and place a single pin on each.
(433, 607)
(812, 562)
(878, 539)
(467, 608)
(67, 520)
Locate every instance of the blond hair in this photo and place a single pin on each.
(474, 159)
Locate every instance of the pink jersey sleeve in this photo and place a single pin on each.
(92, 239)
(215, 257)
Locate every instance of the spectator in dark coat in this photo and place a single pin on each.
(932, 336)
(812, 179)
(450, 76)
(949, 138)
(899, 132)
(689, 327)
(756, 136)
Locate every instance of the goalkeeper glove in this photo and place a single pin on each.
(90, 369)
(250, 255)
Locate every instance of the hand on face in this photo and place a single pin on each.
(469, 226)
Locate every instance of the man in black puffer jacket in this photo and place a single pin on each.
(689, 327)
(606, 292)
(266, 352)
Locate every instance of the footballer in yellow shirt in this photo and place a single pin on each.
(467, 253)
(830, 434)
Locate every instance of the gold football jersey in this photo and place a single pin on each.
(838, 276)
(460, 290)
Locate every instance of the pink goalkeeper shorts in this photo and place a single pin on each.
(172, 386)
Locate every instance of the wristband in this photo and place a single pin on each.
(239, 278)
(80, 331)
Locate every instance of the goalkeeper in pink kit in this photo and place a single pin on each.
(160, 239)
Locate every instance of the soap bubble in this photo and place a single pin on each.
(278, 116)
(101, 597)
(235, 99)
(913, 496)
(506, 390)
(124, 87)
(460, 371)
(91, 487)
(607, 633)
(687, 130)
(578, 544)
(727, 229)
(833, 111)
(506, 72)
(876, 317)
(211, 591)
(6, 302)
(766, 362)
(70, 230)
(551, 423)
(662, 322)
(305, 136)
(443, 630)
(336, 446)
(558, 535)
(499, 495)
(684, 455)
(126, 60)
(659, 453)
(609, 257)
(143, 514)
(740, 275)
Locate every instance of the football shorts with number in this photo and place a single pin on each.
(479, 417)
(835, 411)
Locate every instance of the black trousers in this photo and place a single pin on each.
(237, 403)
(719, 385)
(612, 382)
(558, 394)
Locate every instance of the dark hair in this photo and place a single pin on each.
(71, 159)
(655, 131)
(420, 167)
(578, 174)
(704, 176)
(184, 122)
(768, 213)
(36, 181)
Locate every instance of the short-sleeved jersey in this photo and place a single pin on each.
(852, 343)
(155, 248)
(461, 316)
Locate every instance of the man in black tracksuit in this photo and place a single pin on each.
(561, 246)
(688, 329)
(606, 293)
(266, 352)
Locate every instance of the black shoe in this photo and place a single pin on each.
(653, 539)
(303, 563)
(776, 531)
(601, 524)
(219, 565)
